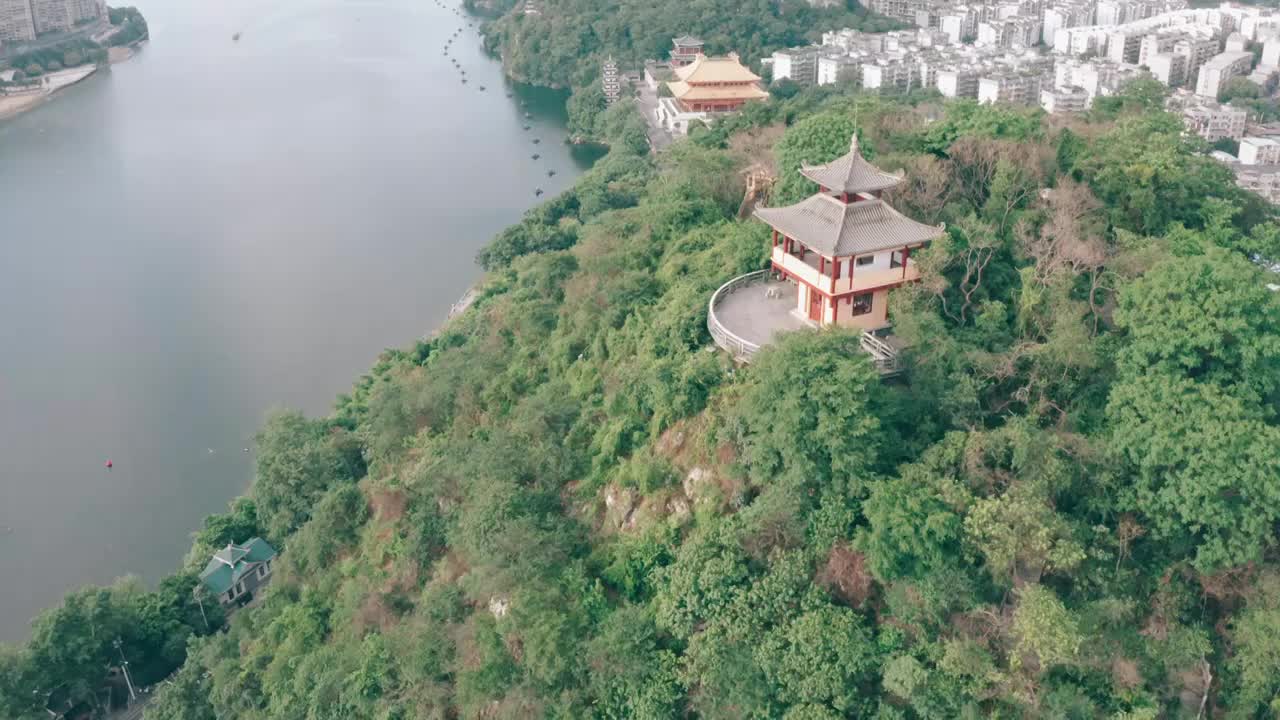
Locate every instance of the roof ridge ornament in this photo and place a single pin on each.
(853, 143)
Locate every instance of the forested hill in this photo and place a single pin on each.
(563, 44)
(568, 505)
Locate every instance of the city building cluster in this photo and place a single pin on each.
(22, 21)
(1256, 163)
(1060, 54)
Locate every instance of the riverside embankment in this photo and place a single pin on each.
(22, 98)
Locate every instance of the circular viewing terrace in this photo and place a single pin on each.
(748, 311)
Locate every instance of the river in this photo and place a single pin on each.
(216, 228)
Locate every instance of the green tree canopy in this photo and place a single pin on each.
(297, 461)
(811, 412)
(1206, 317)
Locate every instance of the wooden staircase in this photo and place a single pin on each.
(883, 355)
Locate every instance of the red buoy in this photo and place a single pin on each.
(110, 464)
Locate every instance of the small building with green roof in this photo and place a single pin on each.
(236, 571)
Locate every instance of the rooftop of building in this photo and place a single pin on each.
(1242, 170)
(685, 92)
(850, 173)
(704, 69)
(838, 229)
(230, 564)
(1226, 59)
(1214, 108)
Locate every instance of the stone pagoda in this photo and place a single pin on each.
(610, 82)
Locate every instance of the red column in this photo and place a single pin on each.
(906, 256)
(835, 275)
(775, 238)
(822, 265)
(835, 310)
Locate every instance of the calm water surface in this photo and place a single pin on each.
(216, 228)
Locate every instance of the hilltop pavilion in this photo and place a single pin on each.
(836, 255)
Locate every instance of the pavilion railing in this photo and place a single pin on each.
(739, 348)
(883, 355)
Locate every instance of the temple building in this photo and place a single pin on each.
(835, 258)
(705, 88)
(685, 49)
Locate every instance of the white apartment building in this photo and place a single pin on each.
(989, 34)
(1175, 56)
(1021, 88)
(1154, 44)
(799, 65)
(23, 20)
(960, 82)
(16, 22)
(903, 10)
(1077, 41)
(1261, 179)
(1109, 12)
(835, 68)
(1259, 151)
(1271, 52)
(1197, 51)
(1214, 122)
(1094, 77)
(1221, 68)
(888, 76)
(1259, 27)
(1169, 68)
(1064, 100)
(1063, 16)
(1098, 38)
(960, 24)
(1123, 46)
(1266, 77)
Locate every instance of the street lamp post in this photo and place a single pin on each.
(196, 592)
(124, 666)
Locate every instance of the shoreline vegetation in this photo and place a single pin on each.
(31, 77)
(565, 505)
